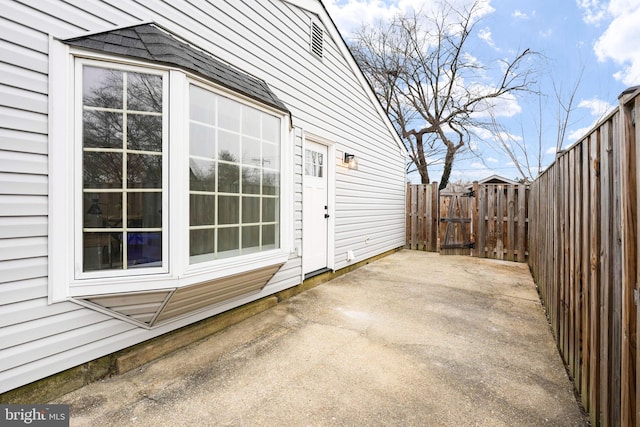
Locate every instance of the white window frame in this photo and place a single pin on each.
(78, 178)
(65, 183)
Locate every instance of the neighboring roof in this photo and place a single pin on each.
(497, 179)
(153, 43)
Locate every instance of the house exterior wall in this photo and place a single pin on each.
(266, 38)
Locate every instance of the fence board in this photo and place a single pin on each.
(577, 249)
(594, 274)
(481, 242)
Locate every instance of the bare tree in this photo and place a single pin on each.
(527, 156)
(429, 84)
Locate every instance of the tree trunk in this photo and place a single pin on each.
(422, 161)
(448, 166)
(424, 175)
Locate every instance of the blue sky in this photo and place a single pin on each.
(600, 39)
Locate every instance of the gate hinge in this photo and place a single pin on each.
(636, 296)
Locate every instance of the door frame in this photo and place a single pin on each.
(331, 196)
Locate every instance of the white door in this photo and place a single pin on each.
(315, 209)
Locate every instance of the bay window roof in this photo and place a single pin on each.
(153, 43)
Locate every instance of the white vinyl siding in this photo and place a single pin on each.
(266, 38)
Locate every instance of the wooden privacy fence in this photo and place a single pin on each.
(583, 256)
(487, 221)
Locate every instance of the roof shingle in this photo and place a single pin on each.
(153, 43)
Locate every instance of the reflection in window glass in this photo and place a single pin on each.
(228, 114)
(102, 87)
(314, 163)
(246, 166)
(228, 241)
(102, 129)
(122, 170)
(144, 92)
(203, 141)
(144, 132)
(202, 175)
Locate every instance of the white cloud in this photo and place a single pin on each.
(620, 42)
(577, 134)
(504, 106)
(594, 11)
(492, 160)
(550, 150)
(485, 35)
(520, 15)
(597, 107)
(350, 15)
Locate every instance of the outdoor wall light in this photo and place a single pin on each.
(351, 161)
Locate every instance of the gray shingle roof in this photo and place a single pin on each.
(153, 43)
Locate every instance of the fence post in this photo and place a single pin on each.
(474, 220)
(435, 216)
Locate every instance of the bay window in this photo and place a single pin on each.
(161, 178)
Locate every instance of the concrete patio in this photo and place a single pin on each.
(412, 339)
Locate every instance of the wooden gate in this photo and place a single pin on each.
(456, 228)
(485, 221)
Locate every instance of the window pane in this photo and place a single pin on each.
(144, 171)
(202, 141)
(144, 210)
(251, 180)
(229, 178)
(102, 251)
(102, 170)
(101, 129)
(202, 175)
(202, 210)
(228, 210)
(270, 183)
(101, 87)
(102, 210)
(144, 92)
(202, 105)
(251, 152)
(270, 156)
(251, 121)
(201, 242)
(144, 249)
(228, 114)
(250, 238)
(314, 163)
(269, 237)
(271, 129)
(228, 240)
(144, 132)
(270, 210)
(250, 209)
(229, 147)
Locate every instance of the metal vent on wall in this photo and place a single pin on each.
(317, 36)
